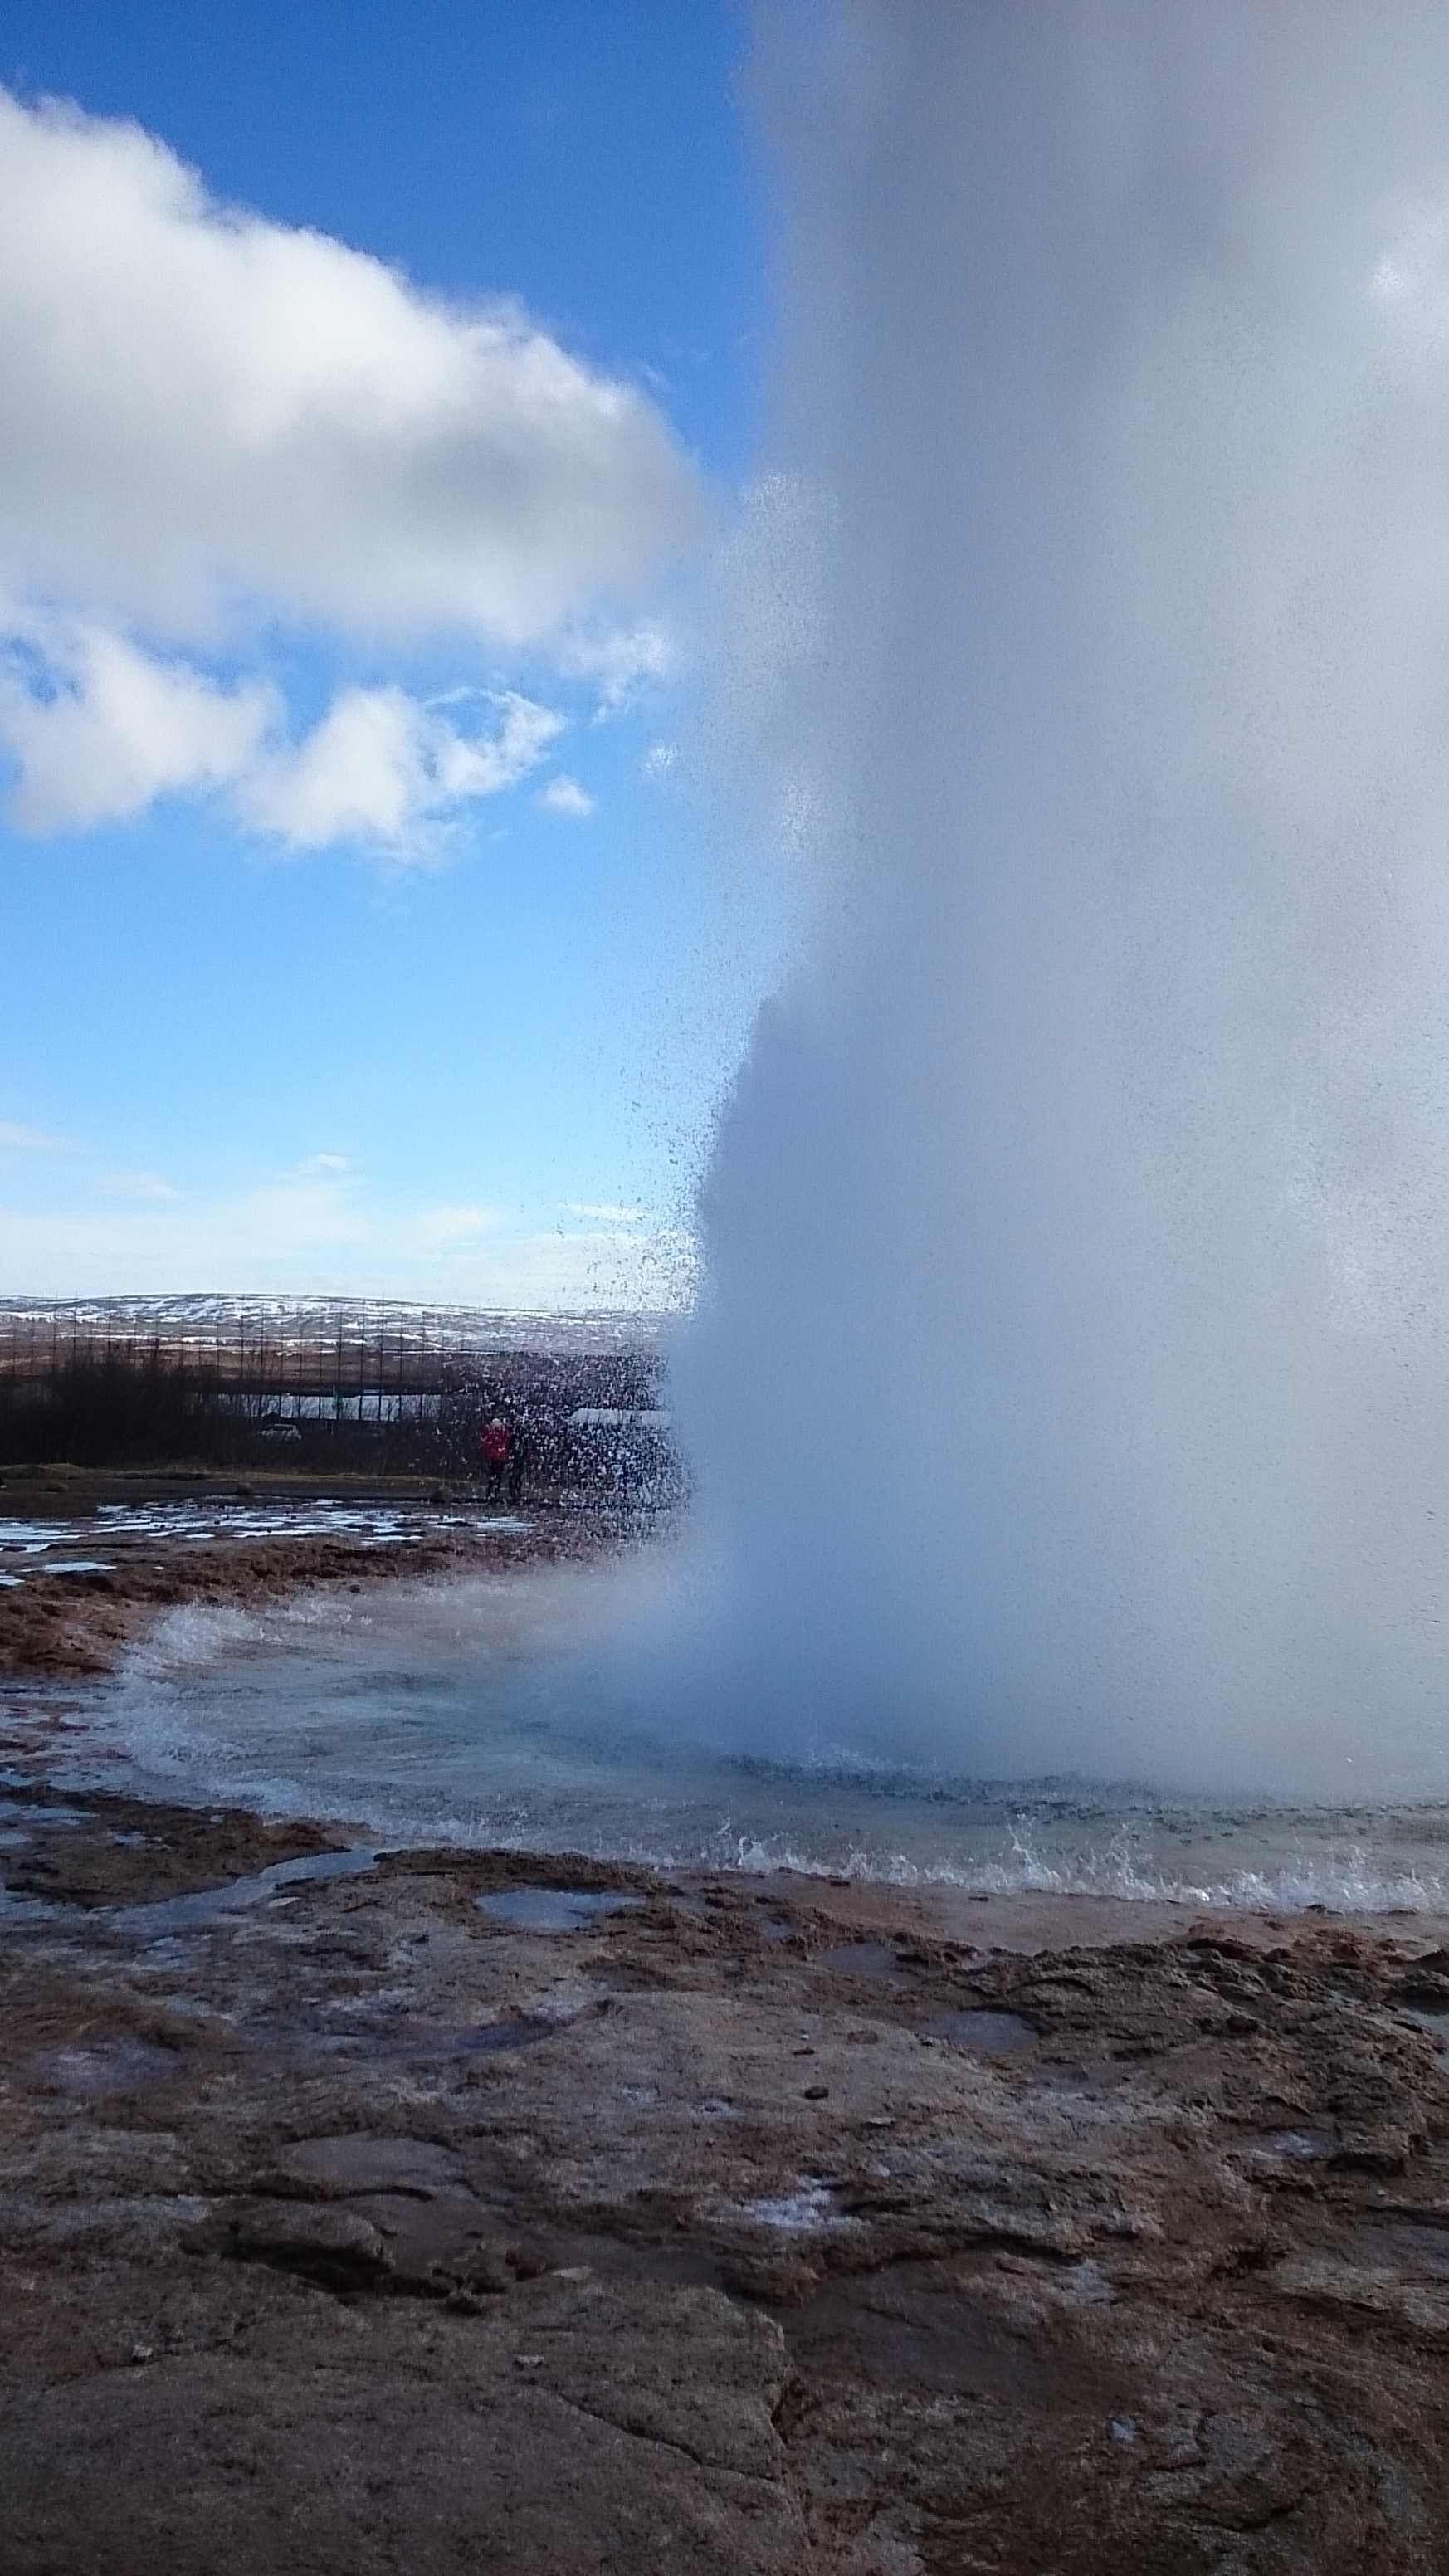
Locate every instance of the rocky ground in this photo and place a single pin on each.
(127, 1547)
(462, 2211)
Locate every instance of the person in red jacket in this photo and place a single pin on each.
(495, 1443)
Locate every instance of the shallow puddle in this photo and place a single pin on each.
(861, 1959)
(30, 1538)
(364, 2162)
(191, 1525)
(1296, 2146)
(1435, 2023)
(802, 2212)
(554, 1909)
(985, 2033)
(404, 2042)
(213, 1904)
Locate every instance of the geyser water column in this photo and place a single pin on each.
(1070, 1389)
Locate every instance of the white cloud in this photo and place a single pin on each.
(213, 427)
(659, 759)
(96, 729)
(602, 1215)
(383, 768)
(619, 659)
(564, 795)
(199, 407)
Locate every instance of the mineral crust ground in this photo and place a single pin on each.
(456, 2210)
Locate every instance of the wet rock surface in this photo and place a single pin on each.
(107, 1849)
(355, 2225)
(90, 1562)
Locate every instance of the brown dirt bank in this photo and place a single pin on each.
(69, 1626)
(348, 2224)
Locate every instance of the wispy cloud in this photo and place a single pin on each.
(28, 1140)
(385, 770)
(135, 1185)
(315, 1234)
(440, 1229)
(564, 795)
(620, 660)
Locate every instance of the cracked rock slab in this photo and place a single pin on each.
(764, 2254)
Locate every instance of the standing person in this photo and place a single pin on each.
(496, 1446)
(517, 1462)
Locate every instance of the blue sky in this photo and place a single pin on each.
(361, 922)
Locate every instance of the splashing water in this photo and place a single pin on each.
(1071, 1390)
(516, 1710)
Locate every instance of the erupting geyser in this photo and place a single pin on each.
(1071, 1390)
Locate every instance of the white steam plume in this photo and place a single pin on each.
(1071, 1391)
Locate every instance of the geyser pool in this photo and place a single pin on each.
(519, 1710)
(1071, 1388)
